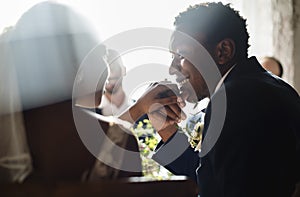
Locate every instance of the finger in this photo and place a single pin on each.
(181, 101)
(169, 122)
(169, 89)
(167, 101)
(167, 112)
(160, 103)
(170, 116)
(178, 111)
(155, 90)
(167, 93)
(160, 121)
(163, 87)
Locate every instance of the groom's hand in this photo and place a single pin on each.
(165, 109)
(162, 102)
(160, 120)
(159, 95)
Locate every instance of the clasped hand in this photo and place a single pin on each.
(162, 103)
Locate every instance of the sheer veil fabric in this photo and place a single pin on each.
(15, 160)
(39, 59)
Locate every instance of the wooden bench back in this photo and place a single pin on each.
(56, 149)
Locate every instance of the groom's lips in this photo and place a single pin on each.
(182, 81)
(180, 78)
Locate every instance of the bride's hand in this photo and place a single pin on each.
(160, 99)
(161, 104)
(159, 95)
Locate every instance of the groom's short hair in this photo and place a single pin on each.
(216, 21)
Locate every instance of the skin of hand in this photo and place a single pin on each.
(166, 117)
(159, 102)
(167, 132)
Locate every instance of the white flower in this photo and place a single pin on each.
(195, 138)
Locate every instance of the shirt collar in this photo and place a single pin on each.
(223, 78)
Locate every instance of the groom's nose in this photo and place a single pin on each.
(174, 67)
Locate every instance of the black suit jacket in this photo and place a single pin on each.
(257, 152)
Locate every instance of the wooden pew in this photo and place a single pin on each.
(56, 149)
(60, 158)
(178, 187)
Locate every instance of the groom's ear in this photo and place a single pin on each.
(225, 51)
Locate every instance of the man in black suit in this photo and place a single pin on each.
(250, 143)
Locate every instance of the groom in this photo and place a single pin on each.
(251, 154)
